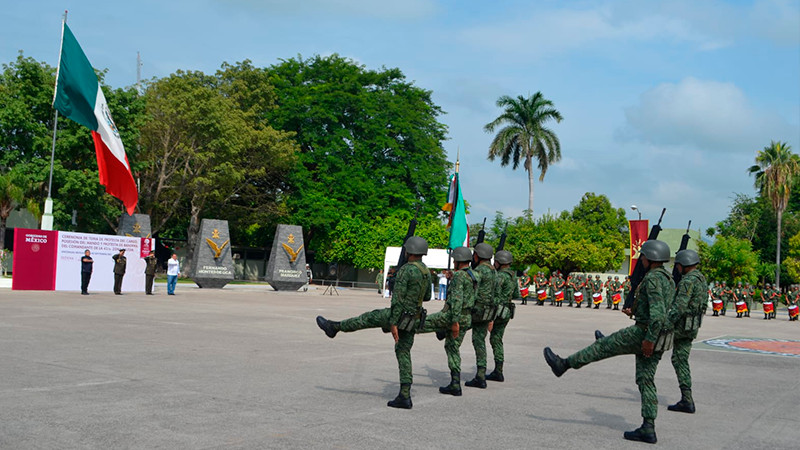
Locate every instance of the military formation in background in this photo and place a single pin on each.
(576, 290)
(741, 297)
(479, 298)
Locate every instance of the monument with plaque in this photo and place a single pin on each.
(212, 265)
(286, 270)
(137, 225)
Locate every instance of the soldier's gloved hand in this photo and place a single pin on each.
(395, 334)
(455, 328)
(491, 325)
(647, 348)
(627, 311)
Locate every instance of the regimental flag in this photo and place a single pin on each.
(79, 97)
(457, 221)
(638, 231)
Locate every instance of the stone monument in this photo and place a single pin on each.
(137, 225)
(212, 265)
(286, 270)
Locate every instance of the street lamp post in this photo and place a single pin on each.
(633, 207)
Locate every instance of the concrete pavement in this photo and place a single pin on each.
(248, 368)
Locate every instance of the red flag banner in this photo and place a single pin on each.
(639, 231)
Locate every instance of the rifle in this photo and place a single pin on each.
(482, 233)
(676, 274)
(638, 271)
(502, 243)
(412, 227)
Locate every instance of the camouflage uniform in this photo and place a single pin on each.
(504, 291)
(569, 291)
(653, 299)
(691, 300)
(587, 291)
(487, 281)
(411, 287)
(457, 308)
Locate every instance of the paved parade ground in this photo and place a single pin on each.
(247, 367)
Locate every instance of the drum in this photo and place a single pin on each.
(616, 298)
(716, 305)
(578, 297)
(741, 307)
(769, 307)
(794, 310)
(524, 292)
(559, 296)
(597, 298)
(541, 295)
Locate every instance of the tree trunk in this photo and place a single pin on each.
(2, 233)
(530, 187)
(191, 234)
(778, 253)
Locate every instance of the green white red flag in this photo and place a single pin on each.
(457, 221)
(78, 96)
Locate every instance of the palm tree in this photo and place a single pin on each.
(524, 136)
(776, 170)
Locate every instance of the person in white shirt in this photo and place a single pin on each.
(442, 286)
(173, 272)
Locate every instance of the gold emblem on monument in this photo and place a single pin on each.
(215, 234)
(292, 253)
(137, 228)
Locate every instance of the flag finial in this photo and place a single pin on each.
(458, 157)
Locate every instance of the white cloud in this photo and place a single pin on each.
(709, 115)
(705, 26)
(404, 10)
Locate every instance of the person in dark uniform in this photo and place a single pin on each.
(86, 272)
(150, 272)
(119, 270)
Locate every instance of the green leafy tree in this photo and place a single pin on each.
(363, 244)
(370, 143)
(15, 192)
(775, 172)
(729, 259)
(792, 261)
(202, 148)
(524, 136)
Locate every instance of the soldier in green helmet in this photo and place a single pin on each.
(484, 311)
(569, 290)
(504, 292)
(686, 315)
(647, 339)
(597, 288)
(453, 321)
(588, 290)
(411, 287)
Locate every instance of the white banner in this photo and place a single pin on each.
(71, 247)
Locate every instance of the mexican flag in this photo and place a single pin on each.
(457, 224)
(78, 96)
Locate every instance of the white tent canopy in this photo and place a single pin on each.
(435, 259)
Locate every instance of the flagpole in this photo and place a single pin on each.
(47, 217)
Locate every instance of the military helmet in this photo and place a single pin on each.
(688, 258)
(616, 277)
(484, 251)
(609, 277)
(504, 257)
(655, 250)
(597, 277)
(461, 254)
(416, 245)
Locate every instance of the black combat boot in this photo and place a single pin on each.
(598, 335)
(616, 307)
(403, 399)
(597, 306)
(328, 326)
(441, 334)
(608, 307)
(497, 373)
(454, 388)
(686, 404)
(558, 364)
(645, 433)
(480, 379)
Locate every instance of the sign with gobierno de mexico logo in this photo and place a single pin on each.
(51, 260)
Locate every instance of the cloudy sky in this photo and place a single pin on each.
(665, 104)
